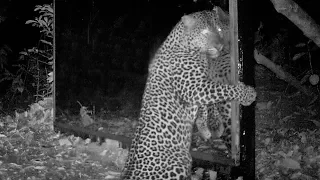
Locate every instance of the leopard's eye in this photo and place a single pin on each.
(219, 29)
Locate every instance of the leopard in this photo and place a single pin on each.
(176, 86)
(214, 121)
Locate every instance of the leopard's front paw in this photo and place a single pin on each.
(248, 94)
(218, 132)
(205, 134)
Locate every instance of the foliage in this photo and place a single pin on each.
(41, 58)
(31, 149)
(287, 142)
(288, 153)
(35, 69)
(4, 51)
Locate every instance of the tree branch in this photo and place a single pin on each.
(260, 59)
(300, 18)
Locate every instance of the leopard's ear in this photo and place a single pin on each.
(188, 21)
(222, 15)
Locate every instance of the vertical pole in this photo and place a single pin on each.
(54, 62)
(234, 54)
(246, 11)
(242, 67)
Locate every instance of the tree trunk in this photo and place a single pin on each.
(300, 18)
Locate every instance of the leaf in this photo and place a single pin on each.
(315, 122)
(269, 104)
(50, 78)
(213, 175)
(110, 177)
(267, 141)
(299, 175)
(41, 22)
(30, 21)
(46, 42)
(28, 138)
(285, 119)
(303, 137)
(199, 172)
(298, 56)
(39, 167)
(65, 141)
(290, 163)
(111, 144)
(301, 45)
(264, 105)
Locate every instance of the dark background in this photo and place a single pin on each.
(103, 49)
(107, 67)
(15, 34)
